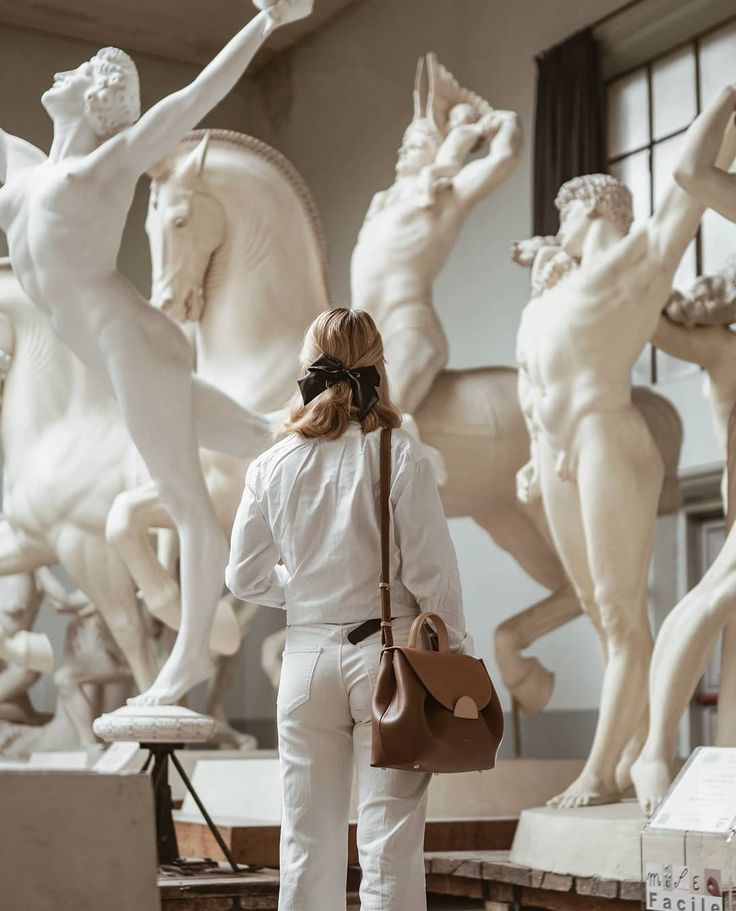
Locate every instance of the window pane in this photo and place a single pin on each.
(634, 172)
(673, 92)
(717, 55)
(719, 241)
(628, 114)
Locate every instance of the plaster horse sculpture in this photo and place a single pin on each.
(411, 228)
(202, 271)
(72, 205)
(690, 632)
(594, 463)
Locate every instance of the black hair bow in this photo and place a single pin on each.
(326, 371)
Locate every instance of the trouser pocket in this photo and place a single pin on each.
(297, 670)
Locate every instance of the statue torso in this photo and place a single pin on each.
(64, 232)
(401, 249)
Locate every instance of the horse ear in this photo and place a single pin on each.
(193, 165)
(161, 170)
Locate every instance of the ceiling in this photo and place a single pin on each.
(192, 31)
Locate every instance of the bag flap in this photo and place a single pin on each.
(449, 676)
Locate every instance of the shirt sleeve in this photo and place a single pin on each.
(428, 562)
(252, 572)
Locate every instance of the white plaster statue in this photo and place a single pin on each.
(689, 634)
(64, 216)
(594, 463)
(202, 272)
(410, 228)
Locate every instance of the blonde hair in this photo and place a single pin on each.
(351, 337)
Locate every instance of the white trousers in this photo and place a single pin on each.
(324, 724)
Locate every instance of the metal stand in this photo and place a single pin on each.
(167, 847)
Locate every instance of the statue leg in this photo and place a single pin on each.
(528, 681)
(726, 724)
(132, 516)
(152, 379)
(224, 425)
(563, 509)
(619, 480)
(684, 645)
(97, 570)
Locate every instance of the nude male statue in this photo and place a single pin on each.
(404, 242)
(64, 216)
(594, 462)
(689, 634)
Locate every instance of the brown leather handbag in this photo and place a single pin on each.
(433, 710)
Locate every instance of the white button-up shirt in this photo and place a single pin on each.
(306, 536)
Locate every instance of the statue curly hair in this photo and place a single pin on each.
(608, 197)
(113, 102)
(710, 302)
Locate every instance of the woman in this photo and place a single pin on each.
(306, 539)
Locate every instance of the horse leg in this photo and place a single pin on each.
(519, 534)
(132, 516)
(97, 570)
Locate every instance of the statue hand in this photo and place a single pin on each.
(281, 12)
(524, 252)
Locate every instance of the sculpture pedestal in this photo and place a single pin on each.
(162, 730)
(154, 724)
(586, 842)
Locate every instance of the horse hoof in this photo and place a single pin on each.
(534, 690)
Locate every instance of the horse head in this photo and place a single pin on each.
(185, 225)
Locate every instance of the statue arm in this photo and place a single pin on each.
(676, 220)
(698, 172)
(148, 141)
(701, 345)
(16, 155)
(482, 176)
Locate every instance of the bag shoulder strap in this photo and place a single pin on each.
(387, 638)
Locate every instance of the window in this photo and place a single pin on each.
(649, 110)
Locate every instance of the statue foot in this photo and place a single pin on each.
(652, 778)
(586, 791)
(534, 690)
(179, 674)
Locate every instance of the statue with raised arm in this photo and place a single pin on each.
(64, 216)
(691, 631)
(411, 228)
(594, 462)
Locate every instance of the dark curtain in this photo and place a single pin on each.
(570, 122)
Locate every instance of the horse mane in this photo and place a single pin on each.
(287, 170)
